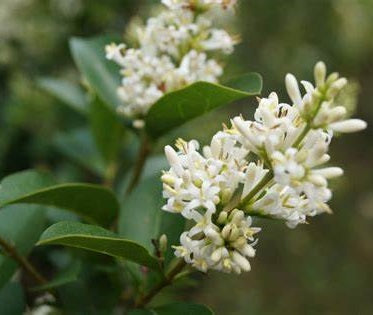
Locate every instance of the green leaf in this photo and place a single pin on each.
(176, 108)
(140, 215)
(92, 202)
(175, 308)
(79, 146)
(12, 300)
(70, 274)
(106, 128)
(65, 91)
(251, 82)
(102, 75)
(97, 239)
(142, 219)
(21, 225)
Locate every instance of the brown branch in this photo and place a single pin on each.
(166, 281)
(144, 151)
(12, 252)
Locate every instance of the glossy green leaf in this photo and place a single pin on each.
(92, 202)
(80, 147)
(142, 219)
(97, 239)
(176, 108)
(12, 299)
(101, 74)
(175, 308)
(107, 130)
(65, 91)
(21, 225)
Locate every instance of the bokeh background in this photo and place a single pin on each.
(322, 268)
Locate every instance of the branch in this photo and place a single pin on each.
(166, 281)
(22, 261)
(144, 151)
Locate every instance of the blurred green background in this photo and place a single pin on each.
(321, 268)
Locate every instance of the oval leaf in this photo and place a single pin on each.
(92, 202)
(65, 91)
(106, 129)
(79, 146)
(178, 107)
(251, 82)
(97, 239)
(142, 219)
(101, 74)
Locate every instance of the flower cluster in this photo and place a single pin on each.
(199, 5)
(219, 189)
(172, 53)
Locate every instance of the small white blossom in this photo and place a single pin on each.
(198, 4)
(276, 126)
(225, 246)
(203, 180)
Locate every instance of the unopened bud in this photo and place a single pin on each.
(320, 73)
(163, 243)
(293, 89)
(350, 125)
(168, 179)
(336, 87)
(222, 217)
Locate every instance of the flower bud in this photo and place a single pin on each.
(168, 179)
(349, 125)
(241, 261)
(336, 87)
(222, 217)
(320, 73)
(173, 159)
(163, 243)
(329, 172)
(293, 89)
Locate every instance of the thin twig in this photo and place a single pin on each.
(166, 281)
(22, 261)
(144, 151)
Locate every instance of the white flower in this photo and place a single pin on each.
(276, 126)
(225, 246)
(317, 106)
(219, 40)
(194, 67)
(203, 180)
(198, 4)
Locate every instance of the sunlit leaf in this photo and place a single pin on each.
(176, 108)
